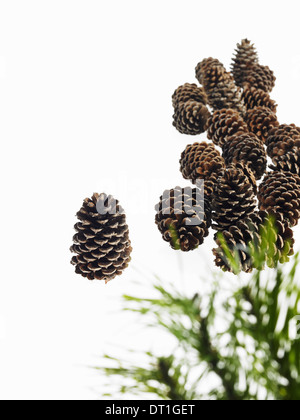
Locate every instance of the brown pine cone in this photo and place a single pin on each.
(246, 236)
(237, 238)
(221, 90)
(290, 130)
(282, 248)
(212, 76)
(289, 162)
(276, 237)
(280, 145)
(182, 218)
(260, 77)
(233, 198)
(261, 121)
(253, 98)
(201, 161)
(204, 65)
(279, 195)
(223, 124)
(101, 244)
(189, 92)
(282, 139)
(191, 117)
(248, 149)
(245, 58)
(226, 95)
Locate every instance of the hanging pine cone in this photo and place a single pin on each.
(191, 117)
(245, 58)
(253, 98)
(282, 139)
(226, 95)
(204, 65)
(261, 121)
(290, 130)
(212, 76)
(233, 198)
(260, 77)
(223, 124)
(189, 92)
(201, 161)
(289, 162)
(281, 248)
(280, 145)
(237, 239)
(101, 244)
(182, 218)
(279, 194)
(246, 236)
(221, 89)
(248, 149)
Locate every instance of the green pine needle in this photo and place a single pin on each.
(254, 355)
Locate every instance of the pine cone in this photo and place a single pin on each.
(233, 198)
(201, 161)
(221, 89)
(261, 121)
(290, 130)
(189, 92)
(279, 195)
(248, 149)
(282, 139)
(204, 65)
(282, 248)
(212, 76)
(182, 218)
(237, 239)
(247, 235)
(245, 58)
(280, 145)
(102, 241)
(260, 77)
(223, 124)
(253, 98)
(289, 162)
(191, 117)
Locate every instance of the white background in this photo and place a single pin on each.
(85, 106)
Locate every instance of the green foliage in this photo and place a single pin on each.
(244, 343)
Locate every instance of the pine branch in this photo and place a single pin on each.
(212, 357)
(260, 350)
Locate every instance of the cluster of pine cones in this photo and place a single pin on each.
(240, 193)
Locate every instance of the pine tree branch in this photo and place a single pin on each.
(213, 358)
(164, 369)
